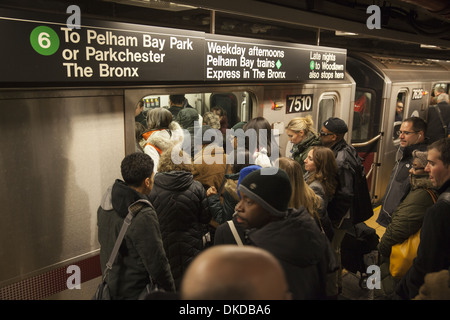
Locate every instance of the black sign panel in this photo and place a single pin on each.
(229, 58)
(99, 51)
(44, 49)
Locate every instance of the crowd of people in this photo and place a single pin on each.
(242, 222)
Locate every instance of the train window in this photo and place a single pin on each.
(231, 107)
(327, 106)
(361, 115)
(400, 106)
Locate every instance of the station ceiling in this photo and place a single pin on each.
(408, 28)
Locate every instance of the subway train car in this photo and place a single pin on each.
(67, 108)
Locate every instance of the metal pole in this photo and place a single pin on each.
(213, 22)
(318, 37)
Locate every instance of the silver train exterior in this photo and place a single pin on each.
(62, 147)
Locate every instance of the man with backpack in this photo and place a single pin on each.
(351, 203)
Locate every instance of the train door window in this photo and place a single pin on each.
(226, 106)
(327, 106)
(361, 115)
(234, 107)
(400, 112)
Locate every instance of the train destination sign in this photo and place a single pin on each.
(48, 51)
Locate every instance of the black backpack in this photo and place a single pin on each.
(361, 205)
(362, 208)
(438, 119)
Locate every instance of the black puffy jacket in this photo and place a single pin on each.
(302, 249)
(183, 213)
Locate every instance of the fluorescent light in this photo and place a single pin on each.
(343, 33)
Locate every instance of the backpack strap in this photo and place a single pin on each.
(133, 209)
(432, 194)
(235, 233)
(442, 120)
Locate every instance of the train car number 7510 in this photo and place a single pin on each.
(299, 103)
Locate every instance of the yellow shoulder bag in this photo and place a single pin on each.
(403, 254)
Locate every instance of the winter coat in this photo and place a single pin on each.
(325, 221)
(433, 254)
(141, 254)
(224, 212)
(341, 207)
(183, 214)
(302, 249)
(210, 166)
(300, 151)
(223, 234)
(398, 186)
(407, 219)
(157, 141)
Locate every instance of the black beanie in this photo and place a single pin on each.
(270, 188)
(336, 125)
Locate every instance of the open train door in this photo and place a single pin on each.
(367, 117)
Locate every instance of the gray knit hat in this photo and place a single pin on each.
(271, 191)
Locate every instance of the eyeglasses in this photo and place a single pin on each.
(321, 133)
(418, 168)
(406, 133)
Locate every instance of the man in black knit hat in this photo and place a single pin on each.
(291, 235)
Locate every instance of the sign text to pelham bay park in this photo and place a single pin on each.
(105, 51)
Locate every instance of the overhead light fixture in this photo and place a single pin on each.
(429, 46)
(155, 4)
(344, 33)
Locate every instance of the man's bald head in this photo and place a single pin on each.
(230, 272)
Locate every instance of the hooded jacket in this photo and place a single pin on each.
(407, 219)
(141, 254)
(157, 141)
(398, 186)
(344, 209)
(302, 249)
(183, 214)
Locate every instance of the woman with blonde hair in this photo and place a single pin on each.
(302, 135)
(302, 194)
